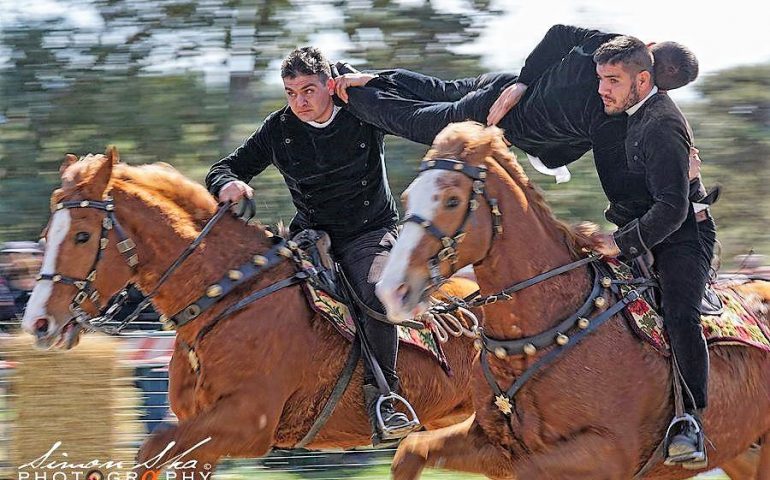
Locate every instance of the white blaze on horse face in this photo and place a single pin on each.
(423, 201)
(38, 301)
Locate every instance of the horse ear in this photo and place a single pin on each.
(112, 154)
(69, 159)
(97, 184)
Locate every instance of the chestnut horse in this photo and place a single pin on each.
(600, 410)
(264, 372)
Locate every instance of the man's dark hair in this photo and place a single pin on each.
(629, 51)
(675, 65)
(306, 61)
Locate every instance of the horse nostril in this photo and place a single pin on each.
(41, 326)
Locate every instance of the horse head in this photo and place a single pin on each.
(114, 224)
(78, 267)
(451, 217)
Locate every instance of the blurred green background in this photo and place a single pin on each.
(185, 82)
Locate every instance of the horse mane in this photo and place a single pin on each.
(158, 184)
(472, 141)
(164, 180)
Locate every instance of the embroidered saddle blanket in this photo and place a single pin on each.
(338, 313)
(738, 324)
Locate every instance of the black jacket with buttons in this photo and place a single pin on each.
(649, 195)
(336, 175)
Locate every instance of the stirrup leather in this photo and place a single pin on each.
(387, 433)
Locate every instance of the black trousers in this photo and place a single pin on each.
(683, 270)
(422, 106)
(363, 259)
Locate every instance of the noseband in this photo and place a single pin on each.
(449, 244)
(126, 247)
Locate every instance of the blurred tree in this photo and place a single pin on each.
(732, 130)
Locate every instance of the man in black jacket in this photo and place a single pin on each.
(652, 209)
(334, 166)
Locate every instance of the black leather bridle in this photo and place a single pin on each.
(126, 247)
(450, 243)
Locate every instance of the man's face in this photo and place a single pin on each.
(309, 98)
(618, 87)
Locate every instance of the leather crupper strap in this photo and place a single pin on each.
(449, 243)
(126, 247)
(233, 279)
(560, 338)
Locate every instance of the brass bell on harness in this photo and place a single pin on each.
(583, 323)
(606, 282)
(562, 339)
(234, 275)
(214, 291)
(500, 353)
(259, 260)
(600, 302)
(530, 349)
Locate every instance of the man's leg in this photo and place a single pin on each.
(397, 113)
(683, 271)
(417, 86)
(707, 232)
(362, 260)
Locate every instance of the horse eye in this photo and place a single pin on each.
(452, 202)
(82, 237)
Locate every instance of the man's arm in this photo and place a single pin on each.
(247, 161)
(666, 150)
(557, 43)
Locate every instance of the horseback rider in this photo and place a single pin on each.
(653, 213)
(334, 167)
(552, 111)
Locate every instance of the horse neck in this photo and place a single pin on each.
(159, 241)
(531, 243)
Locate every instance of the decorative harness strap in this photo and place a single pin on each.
(233, 279)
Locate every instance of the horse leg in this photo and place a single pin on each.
(463, 447)
(586, 456)
(240, 425)
(742, 467)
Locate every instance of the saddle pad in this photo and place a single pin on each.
(338, 313)
(739, 324)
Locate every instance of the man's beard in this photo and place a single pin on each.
(631, 99)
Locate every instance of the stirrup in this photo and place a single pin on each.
(690, 460)
(396, 432)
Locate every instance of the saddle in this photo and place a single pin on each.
(711, 303)
(328, 295)
(727, 317)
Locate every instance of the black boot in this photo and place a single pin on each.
(396, 424)
(686, 442)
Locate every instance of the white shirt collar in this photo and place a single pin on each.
(636, 107)
(326, 123)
